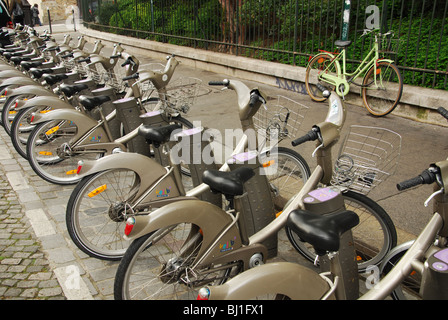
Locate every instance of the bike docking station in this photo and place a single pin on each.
(128, 113)
(256, 205)
(328, 200)
(191, 146)
(435, 278)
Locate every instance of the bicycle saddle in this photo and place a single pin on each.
(228, 183)
(157, 135)
(90, 102)
(323, 232)
(71, 89)
(18, 60)
(342, 43)
(52, 79)
(39, 72)
(27, 65)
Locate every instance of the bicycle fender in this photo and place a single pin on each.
(10, 73)
(146, 168)
(211, 220)
(28, 90)
(290, 279)
(18, 81)
(48, 101)
(385, 60)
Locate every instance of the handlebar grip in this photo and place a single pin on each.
(426, 177)
(128, 61)
(310, 136)
(217, 83)
(443, 112)
(67, 55)
(84, 60)
(115, 56)
(325, 92)
(132, 76)
(253, 99)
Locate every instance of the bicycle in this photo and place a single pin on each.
(193, 243)
(68, 91)
(124, 181)
(416, 275)
(382, 82)
(64, 136)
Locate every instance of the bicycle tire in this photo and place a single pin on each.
(288, 177)
(8, 113)
(43, 147)
(382, 99)
(92, 214)
(96, 216)
(319, 62)
(21, 129)
(372, 243)
(154, 262)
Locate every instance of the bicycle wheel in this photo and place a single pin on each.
(381, 94)
(8, 113)
(409, 289)
(287, 176)
(157, 266)
(21, 129)
(97, 211)
(50, 155)
(319, 64)
(374, 236)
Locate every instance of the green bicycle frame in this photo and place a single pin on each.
(340, 80)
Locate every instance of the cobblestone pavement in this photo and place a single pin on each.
(25, 271)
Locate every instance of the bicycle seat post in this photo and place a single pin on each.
(343, 264)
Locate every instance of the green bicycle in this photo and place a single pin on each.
(382, 83)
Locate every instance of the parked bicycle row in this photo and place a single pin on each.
(177, 225)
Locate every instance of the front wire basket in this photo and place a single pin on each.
(389, 46)
(279, 119)
(368, 156)
(181, 94)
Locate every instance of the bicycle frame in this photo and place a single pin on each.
(423, 247)
(299, 282)
(145, 196)
(340, 81)
(186, 211)
(88, 127)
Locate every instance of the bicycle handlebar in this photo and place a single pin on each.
(219, 83)
(443, 112)
(426, 177)
(310, 136)
(85, 60)
(129, 60)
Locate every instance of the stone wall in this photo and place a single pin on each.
(60, 10)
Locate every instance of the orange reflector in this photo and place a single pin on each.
(320, 60)
(358, 258)
(71, 172)
(44, 111)
(378, 71)
(45, 153)
(278, 214)
(52, 130)
(97, 191)
(268, 164)
(12, 112)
